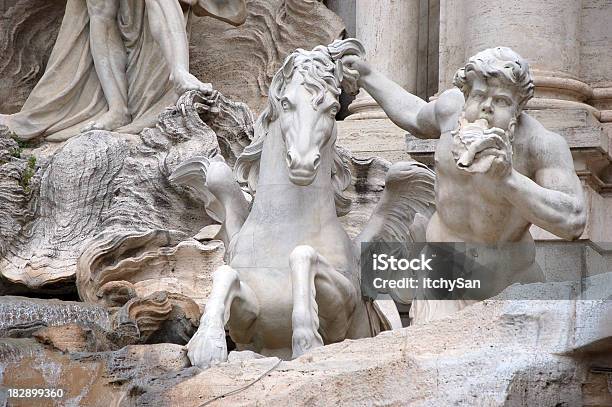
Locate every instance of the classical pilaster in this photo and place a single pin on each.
(389, 31)
(546, 33)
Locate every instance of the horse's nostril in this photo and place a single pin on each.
(317, 161)
(289, 159)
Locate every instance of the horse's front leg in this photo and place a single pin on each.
(208, 346)
(313, 278)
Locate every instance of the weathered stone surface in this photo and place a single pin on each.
(15, 190)
(89, 379)
(20, 314)
(494, 353)
(273, 29)
(107, 195)
(149, 264)
(66, 338)
(28, 29)
(74, 191)
(159, 317)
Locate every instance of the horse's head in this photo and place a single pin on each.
(304, 99)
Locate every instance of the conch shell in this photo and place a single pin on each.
(470, 139)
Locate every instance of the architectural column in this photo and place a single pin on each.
(389, 31)
(546, 33)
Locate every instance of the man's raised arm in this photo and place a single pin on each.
(411, 113)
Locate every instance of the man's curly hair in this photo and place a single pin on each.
(502, 63)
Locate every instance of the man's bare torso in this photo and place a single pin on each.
(469, 208)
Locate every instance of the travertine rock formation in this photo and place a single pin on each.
(15, 185)
(241, 61)
(495, 353)
(106, 195)
(22, 316)
(161, 317)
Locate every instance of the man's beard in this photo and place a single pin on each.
(471, 140)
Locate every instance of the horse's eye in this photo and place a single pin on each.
(333, 111)
(285, 104)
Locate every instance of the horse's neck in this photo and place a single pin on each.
(277, 194)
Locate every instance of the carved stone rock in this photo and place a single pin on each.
(151, 261)
(494, 353)
(21, 316)
(67, 325)
(28, 29)
(14, 193)
(89, 377)
(107, 195)
(498, 352)
(66, 338)
(273, 29)
(159, 317)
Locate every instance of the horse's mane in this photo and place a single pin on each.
(322, 71)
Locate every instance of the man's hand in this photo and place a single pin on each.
(359, 67)
(501, 166)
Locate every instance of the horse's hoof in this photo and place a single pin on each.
(207, 347)
(303, 340)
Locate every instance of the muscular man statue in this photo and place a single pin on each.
(115, 65)
(498, 170)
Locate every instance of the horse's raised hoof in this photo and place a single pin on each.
(303, 340)
(207, 347)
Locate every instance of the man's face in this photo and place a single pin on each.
(492, 100)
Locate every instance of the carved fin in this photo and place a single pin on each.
(192, 173)
(405, 207)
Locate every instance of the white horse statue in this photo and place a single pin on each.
(292, 279)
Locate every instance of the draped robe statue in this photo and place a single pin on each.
(116, 65)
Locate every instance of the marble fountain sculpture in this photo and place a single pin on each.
(498, 171)
(291, 282)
